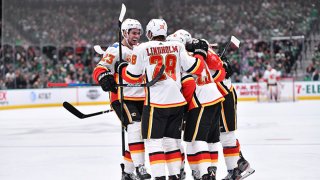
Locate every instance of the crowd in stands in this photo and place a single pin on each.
(35, 66)
(313, 69)
(52, 40)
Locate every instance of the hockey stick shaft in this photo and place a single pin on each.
(225, 48)
(122, 13)
(73, 110)
(51, 84)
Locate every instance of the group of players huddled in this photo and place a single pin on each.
(193, 101)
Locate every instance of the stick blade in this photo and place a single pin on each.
(73, 110)
(235, 41)
(122, 13)
(98, 49)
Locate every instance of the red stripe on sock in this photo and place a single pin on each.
(156, 157)
(199, 157)
(136, 147)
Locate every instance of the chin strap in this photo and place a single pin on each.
(129, 46)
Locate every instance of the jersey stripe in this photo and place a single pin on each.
(150, 122)
(197, 125)
(213, 102)
(168, 105)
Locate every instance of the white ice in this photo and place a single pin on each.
(280, 140)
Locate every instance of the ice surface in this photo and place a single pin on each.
(280, 140)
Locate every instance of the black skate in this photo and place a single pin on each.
(160, 178)
(142, 172)
(212, 172)
(175, 177)
(196, 174)
(244, 168)
(128, 176)
(182, 174)
(233, 174)
(241, 172)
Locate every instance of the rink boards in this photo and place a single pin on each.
(31, 98)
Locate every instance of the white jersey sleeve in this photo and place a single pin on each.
(110, 56)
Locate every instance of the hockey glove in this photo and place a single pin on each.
(200, 47)
(227, 66)
(107, 82)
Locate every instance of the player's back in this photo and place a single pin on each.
(153, 54)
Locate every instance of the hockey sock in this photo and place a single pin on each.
(198, 156)
(136, 144)
(231, 149)
(173, 155)
(214, 149)
(128, 165)
(156, 157)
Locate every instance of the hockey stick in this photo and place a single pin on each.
(73, 110)
(98, 49)
(234, 41)
(122, 13)
(148, 84)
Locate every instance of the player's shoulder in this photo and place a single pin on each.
(113, 49)
(114, 45)
(140, 46)
(175, 43)
(212, 51)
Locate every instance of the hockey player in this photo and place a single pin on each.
(201, 131)
(271, 76)
(202, 120)
(220, 68)
(164, 105)
(237, 166)
(105, 75)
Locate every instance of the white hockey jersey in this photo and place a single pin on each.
(206, 90)
(271, 76)
(110, 57)
(148, 58)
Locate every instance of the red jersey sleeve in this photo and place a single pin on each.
(213, 60)
(97, 71)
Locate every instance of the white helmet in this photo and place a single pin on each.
(157, 27)
(176, 37)
(186, 35)
(130, 24)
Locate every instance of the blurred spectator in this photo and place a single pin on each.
(247, 78)
(315, 75)
(52, 41)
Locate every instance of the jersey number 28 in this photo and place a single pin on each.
(170, 61)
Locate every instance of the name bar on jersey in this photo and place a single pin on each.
(161, 50)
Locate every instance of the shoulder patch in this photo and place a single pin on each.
(115, 45)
